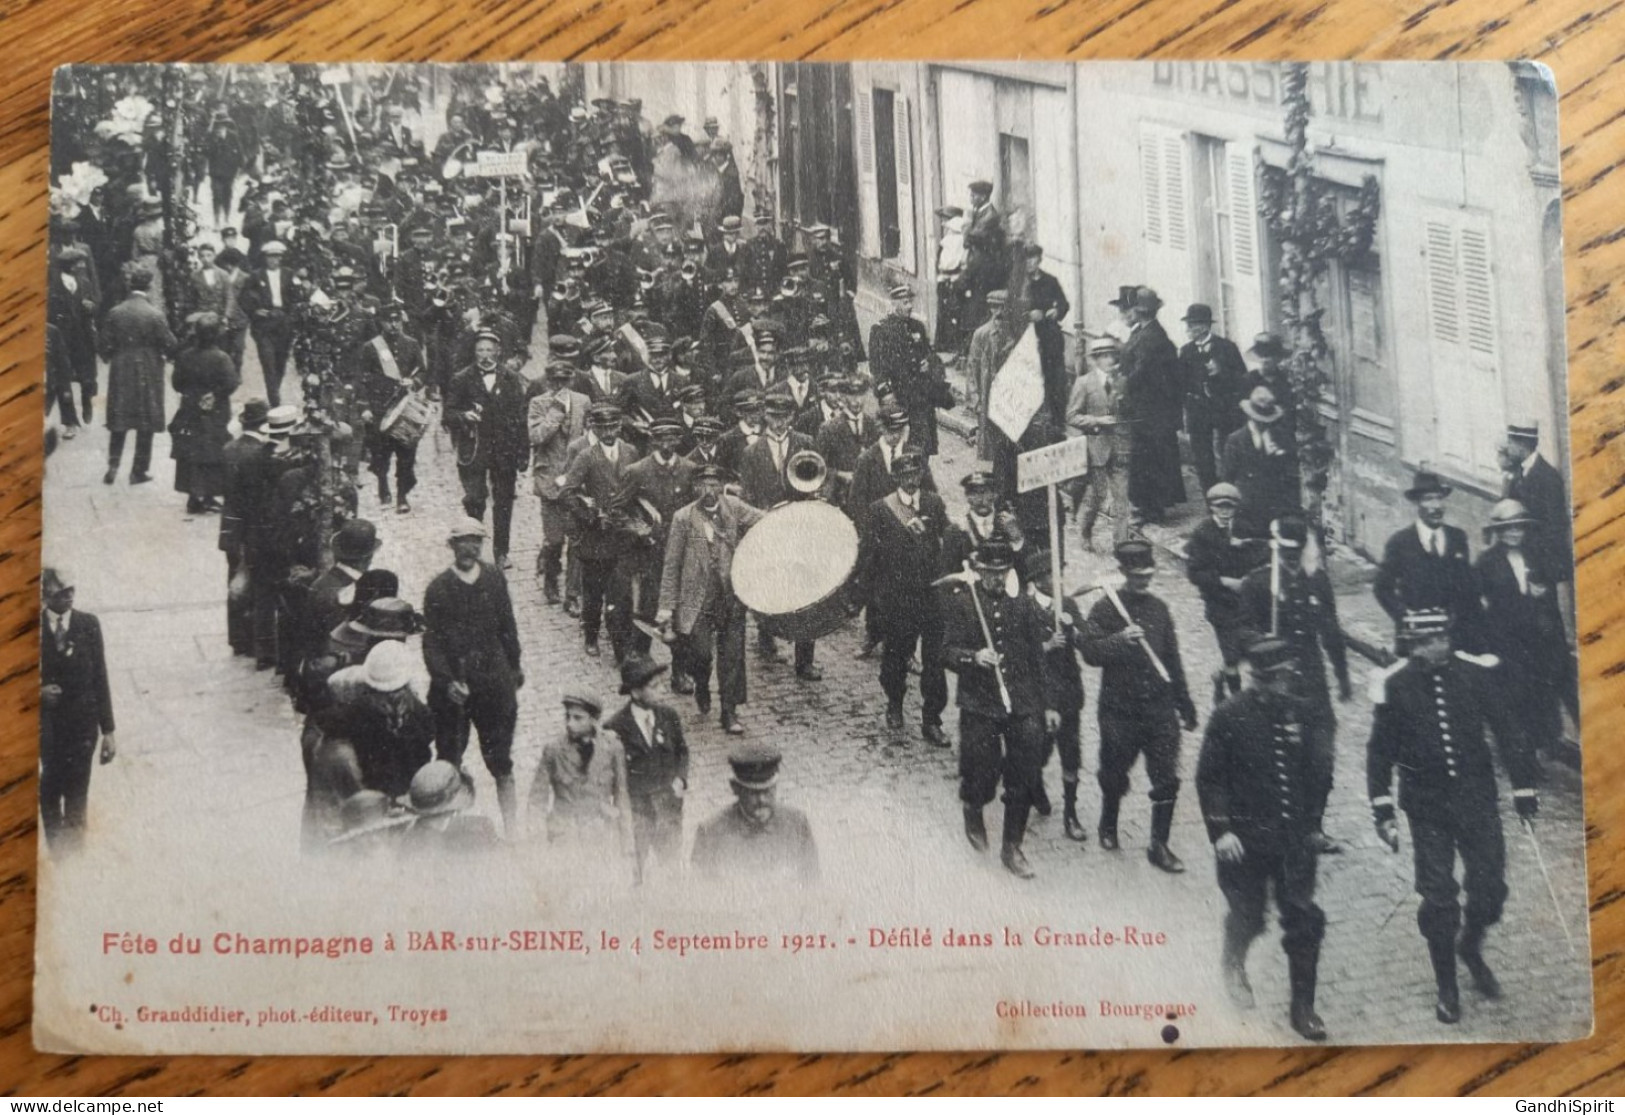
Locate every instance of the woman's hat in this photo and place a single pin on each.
(1508, 513)
(438, 787)
(1260, 406)
(388, 667)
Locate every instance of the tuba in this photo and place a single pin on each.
(806, 472)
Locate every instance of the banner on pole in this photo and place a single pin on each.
(499, 164)
(1052, 464)
(1018, 388)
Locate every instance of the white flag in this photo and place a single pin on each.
(1018, 388)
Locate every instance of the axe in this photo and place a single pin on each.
(1109, 587)
(970, 579)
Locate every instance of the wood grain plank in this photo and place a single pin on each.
(1579, 40)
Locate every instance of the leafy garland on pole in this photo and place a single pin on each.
(1302, 215)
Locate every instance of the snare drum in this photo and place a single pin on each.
(792, 567)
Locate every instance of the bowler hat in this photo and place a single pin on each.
(356, 539)
(1199, 314)
(638, 670)
(755, 765)
(1427, 483)
(253, 414)
(376, 584)
(981, 186)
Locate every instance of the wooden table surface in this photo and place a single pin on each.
(1583, 42)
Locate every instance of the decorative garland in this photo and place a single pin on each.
(1302, 216)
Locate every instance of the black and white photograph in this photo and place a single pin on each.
(595, 557)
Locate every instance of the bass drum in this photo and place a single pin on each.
(791, 569)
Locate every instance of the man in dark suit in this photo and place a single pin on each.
(843, 433)
(1144, 701)
(76, 707)
(1427, 565)
(593, 483)
(995, 643)
(987, 262)
(1261, 464)
(329, 600)
(696, 593)
(1434, 712)
(546, 254)
(1214, 379)
(656, 767)
(486, 409)
(556, 417)
(984, 521)
(391, 364)
(746, 431)
(1152, 404)
(655, 487)
(471, 649)
(903, 363)
(253, 465)
(1261, 794)
(650, 393)
(269, 298)
(1066, 676)
(1047, 308)
(1531, 480)
(899, 557)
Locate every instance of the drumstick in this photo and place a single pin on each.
(987, 633)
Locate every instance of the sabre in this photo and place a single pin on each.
(1551, 891)
(970, 579)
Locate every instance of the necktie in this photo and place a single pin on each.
(61, 630)
(1437, 543)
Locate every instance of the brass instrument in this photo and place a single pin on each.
(806, 471)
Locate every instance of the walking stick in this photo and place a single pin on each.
(1551, 891)
(1275, 585)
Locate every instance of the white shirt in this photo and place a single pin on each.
(981, 525)
(798, 391)
(612, 453)
(780, 445)
(1520, 569)
(273, 282)
(60, 623)
(912, 502)
(600, 376)
(1529, 461)
(490, 379)
(644, 718)
(1432, 538)
(71, 284)
(888, 451)
(1262, 440)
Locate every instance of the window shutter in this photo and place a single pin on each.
(1175, 190)
(905, 185)
(1243, 210)
(1151, 184)
(868, 202)
(1478, 301)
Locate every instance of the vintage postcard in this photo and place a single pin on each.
(745, 556)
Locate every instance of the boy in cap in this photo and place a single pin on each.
(1217, 562)
(1261, 794)
(656, 750)
(579, 798)
(994, 641)
(1092, 411)
(756, 840)
(1143, 699)
(471, 648)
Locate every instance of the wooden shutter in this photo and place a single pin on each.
(1175, 189)
(868, 202)
(1463, 330)
(904, 138)
(1151, 183)
(1246, 282)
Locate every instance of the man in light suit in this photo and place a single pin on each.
(696, 592)
(1092, 411)
(557, 416)
(593, 483)
(76, 707)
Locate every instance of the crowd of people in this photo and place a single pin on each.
(607, 324)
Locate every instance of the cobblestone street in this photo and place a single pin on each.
(213, 742)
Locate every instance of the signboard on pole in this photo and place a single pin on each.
(499, 164)
(1052, 464)
(334, 75)
(1017, 390)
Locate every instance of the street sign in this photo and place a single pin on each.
(499, 164)
(1052, 464)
